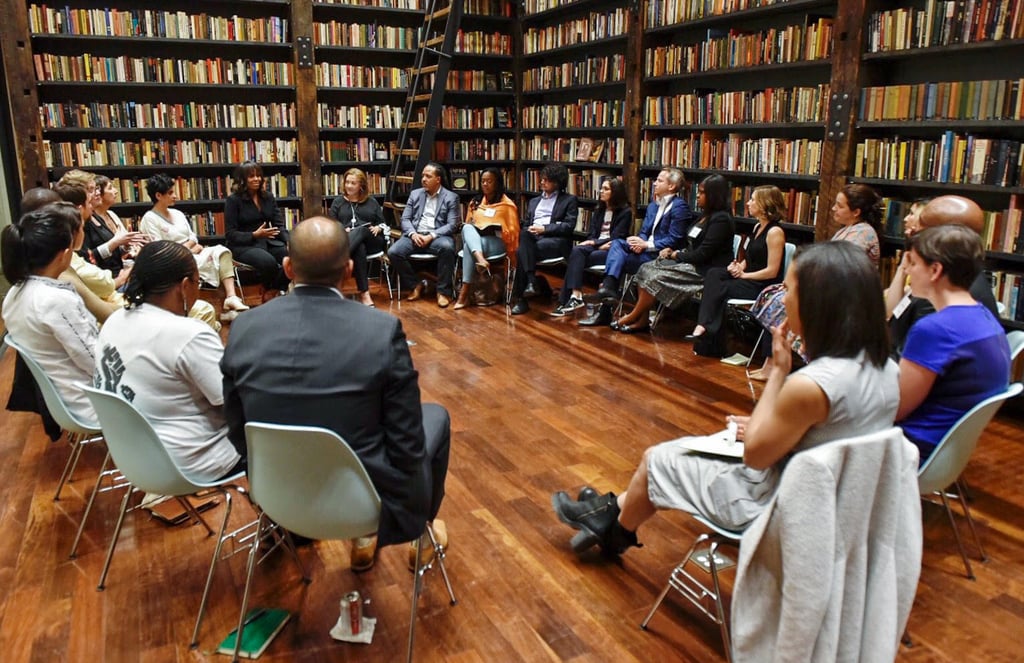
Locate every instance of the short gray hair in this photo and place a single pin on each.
(675, 177)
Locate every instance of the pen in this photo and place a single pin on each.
(253, 617)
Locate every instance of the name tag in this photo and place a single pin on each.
(694, 231)
(490, 211)
(901, 307)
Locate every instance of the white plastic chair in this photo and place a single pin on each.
(1016, 340)
(79, 432)
(736, 303)
(947, 462)
(311, 482)
(144, 461)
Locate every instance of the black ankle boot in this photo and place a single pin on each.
(597, 522)
(618, 540)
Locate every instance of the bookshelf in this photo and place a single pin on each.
(743, 92)
(127, 92)
(574, 100)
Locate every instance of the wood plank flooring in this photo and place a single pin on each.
(580, 405)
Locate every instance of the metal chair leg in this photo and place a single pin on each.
(439, 555)
(75, 440)
(956, 534)
(250, 567)
(962, 494)
(723, 625)
(417, 587)
(193, 514)
(113, 539)
(213, 568)
(88, 506)
(668, 585)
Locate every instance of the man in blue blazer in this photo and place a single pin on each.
(546, 231)
(429, 223)
(665, 225)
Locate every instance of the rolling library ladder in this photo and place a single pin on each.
(422, 113)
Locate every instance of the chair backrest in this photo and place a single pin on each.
(135, 448)
(787, 257)
(1016, 340)
(950, 457)
(54, 403)
(309, 481)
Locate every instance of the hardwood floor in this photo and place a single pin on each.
(580, 405)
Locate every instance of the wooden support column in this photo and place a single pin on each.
(21, 94)
(634, 103)
(306, 109)
(839, 147)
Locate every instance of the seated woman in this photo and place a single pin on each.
(611, 219)
(107, 242)
(744, 278)
(858, 211)
(44, 315)
(167, 365)
(362, 217)
(214, 262)
(956, 357)
(492, 212)
(677, 275)
(850, 387)
(253, 227)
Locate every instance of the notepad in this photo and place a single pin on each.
(722, 443)
(261, 627)
(736, 360)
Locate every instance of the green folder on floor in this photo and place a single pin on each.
(261, 626)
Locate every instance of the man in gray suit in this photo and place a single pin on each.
(429, 222)
(314, 358)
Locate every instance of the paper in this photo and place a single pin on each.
(722, 443)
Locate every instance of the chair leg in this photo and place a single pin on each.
(213, 567)
(417, 587)
(686, 558)
(439, 555)
(75, 440)
(723, 625)
(753, 352)
(113, 539)
(250, 567)
(962, 493)
(88, 506)
(193, 514)
(956, 534)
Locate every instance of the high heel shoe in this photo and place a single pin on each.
(463, 300)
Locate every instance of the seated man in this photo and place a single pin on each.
(903, 308)
(546, 231)
(429, 223)
(313, 358)
(665, 225)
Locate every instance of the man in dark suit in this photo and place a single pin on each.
(314, 358)
(430, 220)
(664, 226)
(903, 308)
(546, 231)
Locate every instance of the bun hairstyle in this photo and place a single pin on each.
(30, 244)
(159, 267)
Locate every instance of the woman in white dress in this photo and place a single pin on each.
(214, 262)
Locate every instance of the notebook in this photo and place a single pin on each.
(261, 627)
(722, 443)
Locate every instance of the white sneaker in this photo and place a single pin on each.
(235, 303)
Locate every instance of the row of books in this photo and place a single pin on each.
(124, 69)
(359, 117)
(596, 26)
(584, 184)
(547, 148)
(211, 224)
(416, 5)
(670, 12)
(944, 23)
(489, 7)
(476, 80)
(356, 149)
(483, 43)
(737, 48)
(584, 113)
(133, 189)
(190, 115)
(464, 179)
(1001, 231)
(98, 152)
(334, 183)
(350, 75)
(150, 23)
(950, 100)
(961, 159)
(603, 69)
(454, 117)
(714, 150)
(476, 149)
(801, 206)
(799, 104)
(538, 6)
(1008, 288)
(364, 35)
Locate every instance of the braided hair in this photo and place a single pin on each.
(159, 267)
(32, 243)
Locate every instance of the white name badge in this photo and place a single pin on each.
(902, 306)
(490, 211)
(694, 231)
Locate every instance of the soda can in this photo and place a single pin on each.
(354, 605)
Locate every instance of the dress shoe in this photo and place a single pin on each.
(631, 329)
(531, 291)
(364, 553)
(690, 338)
(607, 295)
(443, 300)
(463, 300)
(440, 530)
(602, 318)
(521, 307)
(416, 293)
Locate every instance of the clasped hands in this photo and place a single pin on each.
(737, 268)
(421, 239)
(636, 244)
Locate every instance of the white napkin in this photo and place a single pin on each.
(343, 629)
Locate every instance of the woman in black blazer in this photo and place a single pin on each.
(678, 275)
(612, 219)
(254, 227)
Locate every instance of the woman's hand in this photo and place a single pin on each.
(782, 350)
(588, 242)
(375, 230)
(665, 253)
(736, 269)
(741, 424)
(605, 247)
(122, 276)
(266, 231)
(124, 238)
